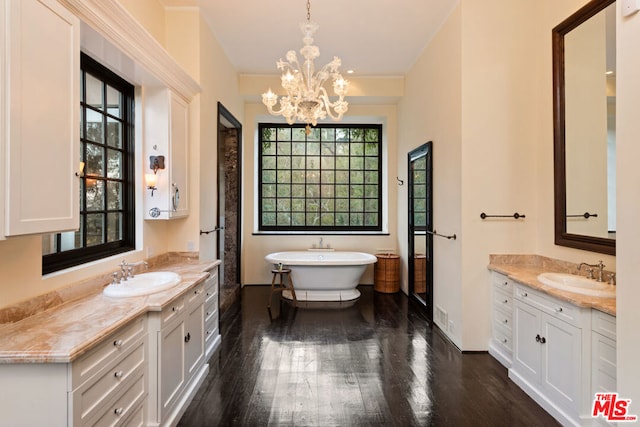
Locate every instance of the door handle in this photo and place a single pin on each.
(211, 231)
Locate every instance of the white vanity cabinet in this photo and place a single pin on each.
(212, 313)
(501, 346)
(551, 353)
(109, 384)
(105, 386)
(39, 117)
(166, 134)
(179, 367)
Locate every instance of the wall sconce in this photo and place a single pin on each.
(80, 173)
(152, 181)
(155, 163)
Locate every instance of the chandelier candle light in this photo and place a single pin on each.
(306, 99)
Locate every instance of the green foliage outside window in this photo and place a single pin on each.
(329, 179)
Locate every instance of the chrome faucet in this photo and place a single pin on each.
(590, 267)
(127, 268)
(321, 243)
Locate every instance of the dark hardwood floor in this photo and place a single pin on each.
(375, 363)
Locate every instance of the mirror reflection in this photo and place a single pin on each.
(420, 227)
(590, 144)
(584, 114)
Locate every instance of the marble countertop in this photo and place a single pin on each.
(526, 270)
(63, 333)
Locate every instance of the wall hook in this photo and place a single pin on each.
(400, 182)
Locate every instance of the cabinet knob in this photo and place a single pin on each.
(505, 301)
(540, 339)
(187, 338)
(118, 411)
(504, 340)
(117, 343)
(506, 321)
(559, 310)
(505, 283)
(524, 294)
(118, 374)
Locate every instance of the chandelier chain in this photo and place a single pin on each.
(306, 98)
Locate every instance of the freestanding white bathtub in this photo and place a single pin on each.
(323, 276)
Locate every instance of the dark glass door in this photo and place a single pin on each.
(420, 225)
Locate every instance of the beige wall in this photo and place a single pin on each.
(481, 91)
(431, 110)
(189, 40)
(628, 206)
(257, 271)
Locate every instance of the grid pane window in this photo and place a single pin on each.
(106, 189)
(328, 180)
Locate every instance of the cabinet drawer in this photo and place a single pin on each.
(212, 280)
(210, 294)
(501, 281)
(172, 310)
(560, 309)
(502, 319)
(604, 324)
(211, 329)
(90, 396)
(502, 301)
(503, 338)
(108, 350)
(118, 413)
(210, 310)
(194, 294)
(137, 418)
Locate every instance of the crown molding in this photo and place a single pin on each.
(112, 21)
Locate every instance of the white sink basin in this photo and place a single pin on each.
(578, 284)
(143, 284)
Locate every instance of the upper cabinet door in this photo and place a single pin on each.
(179, 160)
(166, 136)
(42, 123)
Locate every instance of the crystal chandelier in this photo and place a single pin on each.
(306, 98)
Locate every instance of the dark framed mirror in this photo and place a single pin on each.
(584, 128)
(420, 202)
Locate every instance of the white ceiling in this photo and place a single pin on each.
(372, 37)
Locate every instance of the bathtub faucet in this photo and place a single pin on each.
(320, 243)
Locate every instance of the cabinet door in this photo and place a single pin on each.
(42, 147)
(526, 352)
(603, 364)
(562, 361)
(171, 365)
(179, 137)
(194, 339)
(167, 135)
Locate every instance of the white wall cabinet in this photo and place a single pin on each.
(167, 134)
(39, 117)
(551, 353)
(501, 345)
(178, 334)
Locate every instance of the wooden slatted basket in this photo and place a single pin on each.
(420, 273)
(386, 277)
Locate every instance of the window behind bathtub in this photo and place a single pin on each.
(107, 188)
(328, 179)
